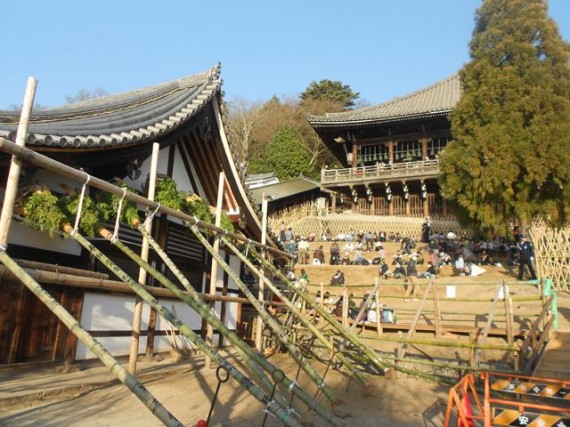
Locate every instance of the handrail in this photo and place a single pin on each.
(381, 171)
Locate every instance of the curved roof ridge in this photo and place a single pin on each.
(439, 97)
(133, 116)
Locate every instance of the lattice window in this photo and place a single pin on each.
(407, 151)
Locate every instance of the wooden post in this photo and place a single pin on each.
(322, 301)
(378, 311)
(261, 297)
(437, 311)
(508, 313)
(137, 313)
(16, 165)
(214, 269)
(345, 307)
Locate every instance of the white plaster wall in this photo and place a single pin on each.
(103, 312)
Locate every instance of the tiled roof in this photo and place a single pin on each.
(284, 189)
(439, 98)
(133, 117)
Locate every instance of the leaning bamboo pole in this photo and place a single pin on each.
(292, 309)
(199, 307)
(137, 388)
(232, 337)
(45, 162)
(370, 355)
(271, 404)
(270, 320)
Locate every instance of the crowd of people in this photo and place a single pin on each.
(466, 256)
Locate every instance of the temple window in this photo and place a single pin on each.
(371, 154)
(407, 151)
(437, 145)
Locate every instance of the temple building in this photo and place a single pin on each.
(112, 138)
(390, 153)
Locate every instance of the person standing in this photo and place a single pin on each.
(426, 230)
(526, 258)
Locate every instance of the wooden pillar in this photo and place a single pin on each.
(333, 203)
(137, 314)
(261, 296)
(444, 208)
(391, 151)
(424, 141)
(426, 200)
(214, 269)
(354, 155)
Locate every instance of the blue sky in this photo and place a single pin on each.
(380, 48)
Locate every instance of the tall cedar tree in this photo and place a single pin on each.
(511, 149)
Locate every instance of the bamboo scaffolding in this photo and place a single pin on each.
(270, 404)
(292, 309)
(200, 307)
(232, 337)
(137, 388)
(45, 162)
(271, 321)
(60, 269)
(107, 285)
(371, 356)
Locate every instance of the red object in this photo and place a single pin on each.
(202, 423)
(466, 409)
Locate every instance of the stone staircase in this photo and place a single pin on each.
(555, 363)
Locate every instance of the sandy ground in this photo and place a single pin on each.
(91, 397)
(187, 389)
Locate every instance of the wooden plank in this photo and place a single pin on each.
(404, 346)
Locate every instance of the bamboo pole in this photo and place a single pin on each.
(485, 333)
(137, 388)
(271, 322)
(232, 337)
(403, 348)
(379, 329)
(437, 311)
(295, 312)
(60, 269)
(214, 268)
(271, 405)
(202, 308)
(137, 313)
(45, 162)
(16, 165)
(107, 285)
(261, 293)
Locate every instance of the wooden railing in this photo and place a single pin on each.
(381, 172)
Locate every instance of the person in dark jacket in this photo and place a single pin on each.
(526, 258)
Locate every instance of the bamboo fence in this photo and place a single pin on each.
(552, 250)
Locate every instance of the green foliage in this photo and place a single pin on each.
(168, 195)
(199, 208)
(90, 220)
(42, 212)
(286, 156)
(108, 204)
(511, 149)
(329, 90)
